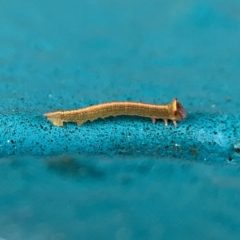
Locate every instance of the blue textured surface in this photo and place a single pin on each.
(201, 137)
(71, 54)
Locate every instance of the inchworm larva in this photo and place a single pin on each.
(173, 111)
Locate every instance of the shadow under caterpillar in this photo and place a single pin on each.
(173, 111)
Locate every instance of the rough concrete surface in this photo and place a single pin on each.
(123, 177)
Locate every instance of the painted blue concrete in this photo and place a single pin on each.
(118, 198)
(201, 137)
(71, 54)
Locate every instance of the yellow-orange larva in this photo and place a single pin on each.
(173, 111)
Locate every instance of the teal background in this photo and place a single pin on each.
(119, 178)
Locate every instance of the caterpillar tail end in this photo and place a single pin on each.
(55, 118)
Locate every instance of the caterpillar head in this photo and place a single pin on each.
(178, 110)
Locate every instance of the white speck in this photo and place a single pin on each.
(8, 141)
(237, 145)
(49, 95)
(13, 110)
(213, 106)
(205, 159)
(177, 145)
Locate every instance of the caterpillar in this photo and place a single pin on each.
(173, 111)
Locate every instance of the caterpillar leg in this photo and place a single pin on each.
(56, 122)
(55, 118)
(175, 123)
(79, 123)
(153, 120)
(166, 122)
